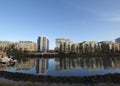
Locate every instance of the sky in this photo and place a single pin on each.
(78, 20)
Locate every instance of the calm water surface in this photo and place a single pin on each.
(66, 66)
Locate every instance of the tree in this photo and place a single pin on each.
(73, 48)
(64, 47)
(90, 48)
(61, 48)
(68, 48)
(87, 48)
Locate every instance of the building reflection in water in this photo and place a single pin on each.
(25, 65)
(20, 65)
(87, 63)
(41, 66)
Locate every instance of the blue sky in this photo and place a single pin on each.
(77, 20)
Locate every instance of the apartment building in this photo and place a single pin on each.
(26, 45)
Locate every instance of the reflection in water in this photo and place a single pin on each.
(19, 66)
(42, 66)
(25, 65)
(3, 66)
(71, 66)
(87, 63)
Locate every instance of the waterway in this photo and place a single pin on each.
(76, 66)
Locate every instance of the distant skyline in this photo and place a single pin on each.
(78, 20)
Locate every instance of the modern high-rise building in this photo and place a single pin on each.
(117, 40)
(43, 44)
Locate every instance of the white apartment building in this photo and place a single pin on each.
(63, 45)
(90, 46)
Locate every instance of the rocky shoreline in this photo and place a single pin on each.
(107, 78)
(6, 82)
(28, 83)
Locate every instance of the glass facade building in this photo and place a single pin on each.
(43, 44)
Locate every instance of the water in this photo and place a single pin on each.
(66, 66)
